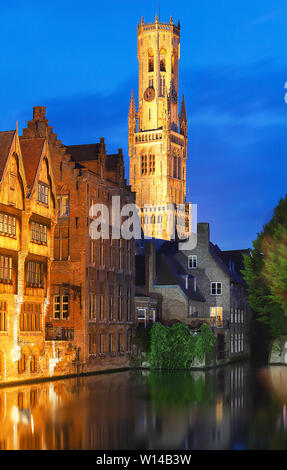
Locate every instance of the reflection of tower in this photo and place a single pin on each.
(157, 134)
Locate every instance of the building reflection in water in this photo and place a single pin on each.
(220, 409)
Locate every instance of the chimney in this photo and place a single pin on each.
(39, 113)
(150, 270)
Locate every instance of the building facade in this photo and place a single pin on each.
(158, 134)
(91, 316)
(203, 285)
(27, 219)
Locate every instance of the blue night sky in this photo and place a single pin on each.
(79, 59)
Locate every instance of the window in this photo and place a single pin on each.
(121, 303)
(35, 274)
(162, 85)
(61, 307)
(63, 204)
(152, 164)
(61, 243)
(111, 343)
(33, 364)
(144, 164)
(6, 269)
(92, 342)
(30, 317)
(43, 193)
(150, 82)
(3, 311)
(216, 314)
(192, 262)
(7, 225)
(120, 343)
(102, 343)
(92, 307)
(216, 288)
(150, 61)
(22, 364)
(141, 312)
(102, 307)
(38, 232)
(162, 60)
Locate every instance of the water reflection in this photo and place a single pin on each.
(228, 408)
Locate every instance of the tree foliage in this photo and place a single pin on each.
(175, 348)
(265, 272)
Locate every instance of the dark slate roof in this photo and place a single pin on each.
(236, 256)
(84, 153)
(171, 272)
(31, 150)
(220, 258)
(6, 139)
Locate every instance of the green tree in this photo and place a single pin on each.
(265, 272)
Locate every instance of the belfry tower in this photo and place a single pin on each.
(157, 132)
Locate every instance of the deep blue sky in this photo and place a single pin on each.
(79, 59)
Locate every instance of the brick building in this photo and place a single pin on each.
(90, 319)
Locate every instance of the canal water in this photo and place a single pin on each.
(235, 407)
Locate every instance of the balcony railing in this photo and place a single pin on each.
(213, 322)
(55, 333)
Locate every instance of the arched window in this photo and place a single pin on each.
(144, 164)
(152, 164)
(172, 63)
(163, 60)
(150, 61)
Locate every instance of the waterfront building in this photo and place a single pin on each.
(28, 212)
(91, 315)
(203, 285)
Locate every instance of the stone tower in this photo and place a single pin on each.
(158, 133)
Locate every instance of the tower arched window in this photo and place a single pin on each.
(144, 165)
(163, 60)
(172, 63)
(152, 164)
(150, 61)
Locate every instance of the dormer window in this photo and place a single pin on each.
(43, 193)
(192, 262)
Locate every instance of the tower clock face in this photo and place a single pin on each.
(149, 94)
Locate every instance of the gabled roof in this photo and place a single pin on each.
(171, 272)
(6, 140)
(31, 150)
(222, 261)
(83, 153)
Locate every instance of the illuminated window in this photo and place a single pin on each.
(43, 193)
(141, 313)
(7, 225)
(6, 269)
(144, 164)
(162, 85)
(216, 314)
(61, 307)
(162, 60)
(63, 204)
(216, 288)
(150, 61)
(38, 232)
(3, 311)
(22, 364)
(33, 364)
(30, 317)
(152, 164)
(35, 274)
